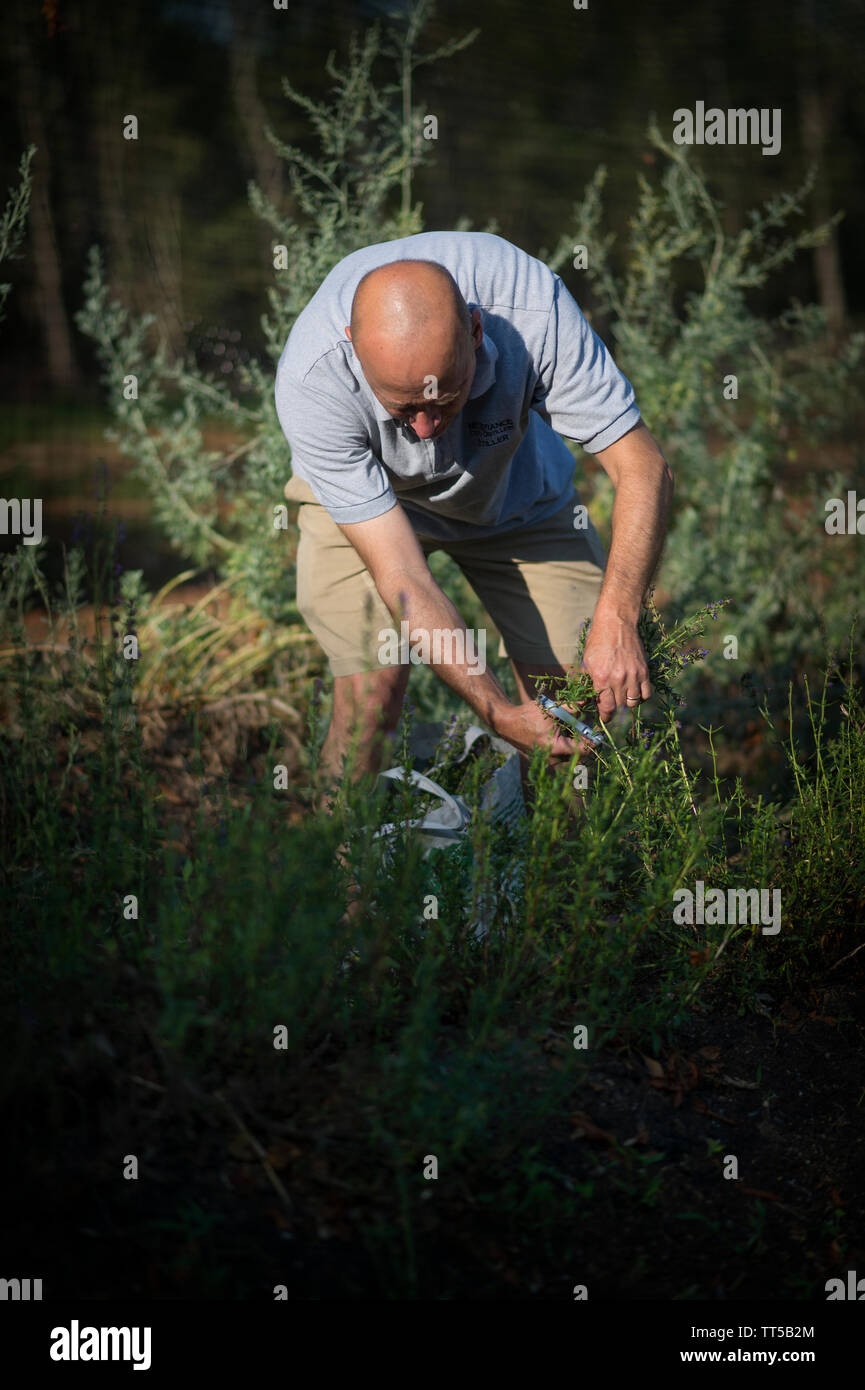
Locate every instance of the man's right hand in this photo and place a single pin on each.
(527, 727)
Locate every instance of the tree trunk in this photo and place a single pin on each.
(63, 370)
(817, 111)
(109, 170)
(164, 251)
(266, 164)
(819, 98)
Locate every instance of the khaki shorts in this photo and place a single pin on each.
(538, 585)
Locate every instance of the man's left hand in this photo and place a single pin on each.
(615, 660)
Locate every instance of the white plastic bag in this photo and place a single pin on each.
(444, 824)
(447, 823)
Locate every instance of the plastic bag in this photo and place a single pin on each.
(447, 822)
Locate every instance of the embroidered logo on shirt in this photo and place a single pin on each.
(486, 433)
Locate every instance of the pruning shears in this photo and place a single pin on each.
(565, 716)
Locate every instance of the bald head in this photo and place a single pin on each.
(405, 298)
(415, 339)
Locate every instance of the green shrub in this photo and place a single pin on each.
(683, 327)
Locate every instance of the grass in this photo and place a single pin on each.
(181, 983)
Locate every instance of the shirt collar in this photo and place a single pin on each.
(485, 371)
(485, 374)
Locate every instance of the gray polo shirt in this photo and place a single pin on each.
(541, 372)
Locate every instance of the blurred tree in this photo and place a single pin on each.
(56, 331)
(14, 220)
(823, 74)
(243, 53)
(223, 508)
(524, 118)
(106, 67)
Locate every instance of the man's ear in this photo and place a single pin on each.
(477, 329)
(348, 332)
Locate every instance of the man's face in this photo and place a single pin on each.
(428, 387)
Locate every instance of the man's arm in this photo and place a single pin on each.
(390, 550)
(643, 481)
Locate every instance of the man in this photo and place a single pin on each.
(423, 390)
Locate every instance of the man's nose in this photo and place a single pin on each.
(425, 423)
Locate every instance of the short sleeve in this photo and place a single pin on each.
(330, 450)
(580, 391)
